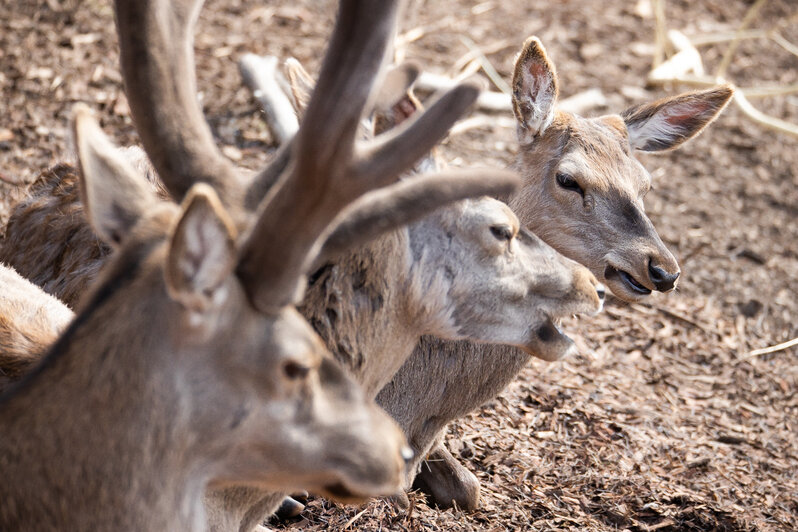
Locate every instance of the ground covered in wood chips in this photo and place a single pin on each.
(664, 421)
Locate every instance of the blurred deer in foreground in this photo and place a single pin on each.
(582, 193)
(187, 365)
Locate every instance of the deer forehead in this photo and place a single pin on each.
(598, 152)
(485, 212)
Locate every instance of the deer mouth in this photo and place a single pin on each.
(548, 342)
(340, 492)
(615, 277)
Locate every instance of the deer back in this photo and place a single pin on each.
(30, 320)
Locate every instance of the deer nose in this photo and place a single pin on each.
(662, 280)
(601, 291)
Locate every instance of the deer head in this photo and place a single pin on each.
(583, 188)
(495, 281)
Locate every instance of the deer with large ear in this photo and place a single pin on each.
(582, 193)
(583, 189)
(187, 366)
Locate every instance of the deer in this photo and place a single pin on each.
(582, 193)
(30, 321)
(187, 365)
(48, 238)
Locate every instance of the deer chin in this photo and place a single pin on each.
(341, 493)
(347, 492)
(548, 342)
(624, 285)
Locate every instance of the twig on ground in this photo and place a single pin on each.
(487, 66)
(659, 32)
(261, 76)
(763, 119)
(355, 518)
(687, 60)
(727, 57)
(774, 348)
(478, 121)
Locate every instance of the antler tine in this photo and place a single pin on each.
(407, 201)
(156, 50)
(317, 186)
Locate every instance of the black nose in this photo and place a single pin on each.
(662, 280)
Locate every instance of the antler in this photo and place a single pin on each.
(156, 40)
(318, 173)
(328, 170)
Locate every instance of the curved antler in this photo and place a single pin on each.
(328, 170)
(317, 174)
(156, 40)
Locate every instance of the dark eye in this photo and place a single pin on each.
(567, 182)
(502, 232)
(295, 371)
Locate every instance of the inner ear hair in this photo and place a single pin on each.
(202, 250)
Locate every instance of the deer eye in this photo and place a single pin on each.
(568, 182)
(502, 232)
(295, 370)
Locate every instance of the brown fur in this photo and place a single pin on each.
(187, 366)
(47, 238)
(29, 322)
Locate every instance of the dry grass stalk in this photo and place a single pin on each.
(729, 54)
(774, 348)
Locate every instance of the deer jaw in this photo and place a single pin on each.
(583, 189)
(495, 282)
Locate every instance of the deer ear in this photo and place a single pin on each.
(202, 250)
(535, 90)
(669, 122)
(114, 194)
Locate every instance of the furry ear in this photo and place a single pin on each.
(667, 123)
(114, 195)
(202, 250)
(535, 90)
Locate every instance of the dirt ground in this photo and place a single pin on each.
(664, 421)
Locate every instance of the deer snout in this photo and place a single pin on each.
(663, 280)
(590, 288)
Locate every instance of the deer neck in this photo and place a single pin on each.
(95, 438)
(360, 306)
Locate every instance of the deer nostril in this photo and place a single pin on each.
(662, 280)
(601, 291)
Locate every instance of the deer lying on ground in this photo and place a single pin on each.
(30, 321)
(187, 365)
(583, 195)
(48, 238)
